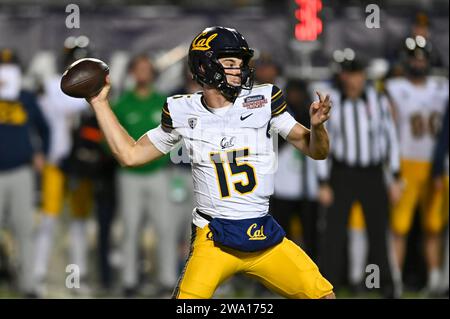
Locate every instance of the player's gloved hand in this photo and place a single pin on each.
(102, 97)
(319, 111)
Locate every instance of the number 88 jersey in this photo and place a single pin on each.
(419, 111)
(231, 149)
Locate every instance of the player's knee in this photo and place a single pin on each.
(189, 295)
(331, 295)
(80, 215)
(433, 230)
(434, 227)
(316, 288)
(400, 229)
(51, 206)
(188, 289)
(51, 210)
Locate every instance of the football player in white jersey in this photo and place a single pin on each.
(228, 130)
(419, 101)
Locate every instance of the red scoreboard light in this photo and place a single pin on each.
(308, 25)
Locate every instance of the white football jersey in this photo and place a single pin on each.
(419, 111)
(231, 153)
(59, 109)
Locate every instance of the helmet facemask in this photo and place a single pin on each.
(417, 65)
(213, 73)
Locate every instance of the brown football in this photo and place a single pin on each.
(84, 78)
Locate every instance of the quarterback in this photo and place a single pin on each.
(228, 130)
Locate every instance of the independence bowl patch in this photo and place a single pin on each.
(254, 101)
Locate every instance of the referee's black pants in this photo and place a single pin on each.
(307, 210)
(368, 187)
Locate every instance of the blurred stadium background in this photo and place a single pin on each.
(117, 30)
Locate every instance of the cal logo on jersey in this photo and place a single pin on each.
(254, 101)
(227, 142)
(201, 42)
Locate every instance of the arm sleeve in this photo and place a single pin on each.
(281, 121)
(163, 140)
(278, 104)
(166, 119)
(283, 124)
(164, 137)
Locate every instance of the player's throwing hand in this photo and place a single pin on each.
(103, 95)
(319, 111)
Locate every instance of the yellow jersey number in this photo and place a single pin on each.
(12, 113)
(235, 168)
(421, 125)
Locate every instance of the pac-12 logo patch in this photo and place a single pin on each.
(254, 101)
(192, 122)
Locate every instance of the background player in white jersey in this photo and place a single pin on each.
(60, 112)
(229, 135)
(419, 102)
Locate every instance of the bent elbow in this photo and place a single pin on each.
(124, 164)
(128, 162)
(321, 155)
(125, 160)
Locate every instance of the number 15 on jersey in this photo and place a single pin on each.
(232, 167)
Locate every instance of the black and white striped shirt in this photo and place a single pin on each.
(362, 133)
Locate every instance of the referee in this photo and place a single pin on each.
(364, 146)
